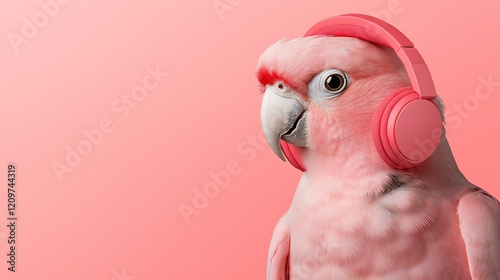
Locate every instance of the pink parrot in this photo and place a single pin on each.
(353, 216)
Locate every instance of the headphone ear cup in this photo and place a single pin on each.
(407, 129)
(414, 130)
(380, 122)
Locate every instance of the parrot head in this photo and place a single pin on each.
(320, 96)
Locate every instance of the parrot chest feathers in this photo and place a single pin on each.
(399, 228)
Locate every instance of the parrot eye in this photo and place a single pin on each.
(328, 84)
(335, 81)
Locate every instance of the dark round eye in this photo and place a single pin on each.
(335, 83)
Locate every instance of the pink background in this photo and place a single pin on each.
(116, 214)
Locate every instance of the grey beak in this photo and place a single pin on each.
(283, 116)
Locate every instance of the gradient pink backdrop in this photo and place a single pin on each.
(116, 214)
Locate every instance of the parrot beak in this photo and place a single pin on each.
(284, 116)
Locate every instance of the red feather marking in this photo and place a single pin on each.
(267, 77)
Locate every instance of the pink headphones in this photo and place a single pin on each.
(407, 125)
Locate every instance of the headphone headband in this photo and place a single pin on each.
(377, 31)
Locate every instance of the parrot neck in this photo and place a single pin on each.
(347, 171)
(366, 173)
(442, 165)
